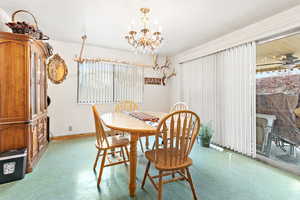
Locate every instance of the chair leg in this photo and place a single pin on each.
(102, 166)
(191, 183)
(97, 158)
(140, 140)
(127, 152)
(123, 155)
(160, 186)
(146, 173)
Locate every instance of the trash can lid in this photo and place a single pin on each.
(13, 153)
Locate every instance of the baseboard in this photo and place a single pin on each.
(74, 136)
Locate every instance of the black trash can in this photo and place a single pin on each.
(12, 165)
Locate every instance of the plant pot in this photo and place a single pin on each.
(205, 143)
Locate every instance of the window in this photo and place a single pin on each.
(100, 82)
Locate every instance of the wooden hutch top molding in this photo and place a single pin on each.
(22, 38)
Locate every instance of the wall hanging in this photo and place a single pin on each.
(81, 59)
(153, 81)
(164, 68)
(57, 69)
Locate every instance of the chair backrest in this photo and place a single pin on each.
(179, 106)
(126, 106)
(179, 131)
(100, 133)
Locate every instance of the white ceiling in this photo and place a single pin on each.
(186, 23)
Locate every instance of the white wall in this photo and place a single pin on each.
(174, 83)
(4, 18)
(64, 110)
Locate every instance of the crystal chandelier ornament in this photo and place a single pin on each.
(143, 39)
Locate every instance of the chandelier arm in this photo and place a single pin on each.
(132, 41)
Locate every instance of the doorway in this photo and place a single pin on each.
(278, 102)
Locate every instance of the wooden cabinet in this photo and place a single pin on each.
(23, 95)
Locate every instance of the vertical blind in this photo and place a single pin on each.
(221, 89)
(101, 82)
(199, 87)
(129, 83)
(236, 128)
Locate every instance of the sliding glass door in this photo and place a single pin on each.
(278, 102)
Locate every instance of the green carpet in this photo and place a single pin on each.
(65, 173)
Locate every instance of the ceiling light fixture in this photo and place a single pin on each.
(142, 38)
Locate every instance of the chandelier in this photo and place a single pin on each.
(142, 38)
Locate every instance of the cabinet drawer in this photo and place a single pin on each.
(14, 135)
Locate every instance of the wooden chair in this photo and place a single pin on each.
(105, 143)
(172, 157)
(179, 106)
(130, 106)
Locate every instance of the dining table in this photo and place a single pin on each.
(136, 128)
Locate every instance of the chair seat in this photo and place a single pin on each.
(114, 142)
(161, 164)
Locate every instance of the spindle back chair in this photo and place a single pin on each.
(100, 133)
(105, 143)
(178, 132)
(179, 106)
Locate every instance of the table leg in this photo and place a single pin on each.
(133, 164)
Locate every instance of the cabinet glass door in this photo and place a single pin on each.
(38, 85)
(33, 84)
(43, 96)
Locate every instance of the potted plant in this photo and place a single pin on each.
(206, 133)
